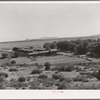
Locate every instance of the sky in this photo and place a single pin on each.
(20, 21)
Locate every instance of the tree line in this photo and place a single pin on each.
(91, 46)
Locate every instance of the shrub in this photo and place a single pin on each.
(5, 64)
(47, 66)
(43, 76)
(68, 79)
(96, 74)
(47, 82)
(63, 85)
(4, 55)
(15, 48)
(21, 79)
(58, 76)
(3, 74)
(13, 62)
(35, 84)
(36, 71)
(13, 69)
(16, 84)
(80, 78)
(68, 68)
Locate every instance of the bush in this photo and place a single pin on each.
(63, 85)
(36, 71)
(13, 69)
(58, 76)
(47, 66)
(43, 76)
(49, 45)
(3, 74)
(68, 68)
(21, 79)
(16, 84)
(80, 78)
(96, 74)
(35, 84)
(15, 48)
(68, 79)
(4, 55)
(13, 62)
(47, 82)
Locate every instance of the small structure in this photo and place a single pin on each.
(27, 52)
(43, 53)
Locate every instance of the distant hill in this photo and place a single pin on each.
(57, 39)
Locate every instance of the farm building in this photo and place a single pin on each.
(43, 53)
(26, 52)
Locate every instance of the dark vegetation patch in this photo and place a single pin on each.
(42, 76)
(36, 71)
(80, 78)
(16, 84)
(21, 79)
(3, 74)
(47, 66)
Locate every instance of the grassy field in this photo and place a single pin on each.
(65, 72)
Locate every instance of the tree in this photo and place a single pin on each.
(80, 49)
(49, 45)
(62, 46)
(15, 48)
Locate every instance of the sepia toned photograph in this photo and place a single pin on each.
(49, 46)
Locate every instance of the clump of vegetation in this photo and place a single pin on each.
(3, 74)
(36, 71)
(63, 85)
(80, 78)
(13, 62)
(21, 79)
(47, 66)
(66, 68)
(2, 82)
(43, 76)
(47, 82)
(58, 76)
(13, 69)
(6, 64)
(35, 84)
(68, 79)
(16, 84)
(4, 55)
(49, 45)
(96, 74)
(91, 46)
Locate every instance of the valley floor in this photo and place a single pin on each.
(67, 71)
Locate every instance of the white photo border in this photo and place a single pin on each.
(50, 94)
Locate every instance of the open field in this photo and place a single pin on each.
(65, 72)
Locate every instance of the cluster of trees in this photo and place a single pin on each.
(77, 46)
